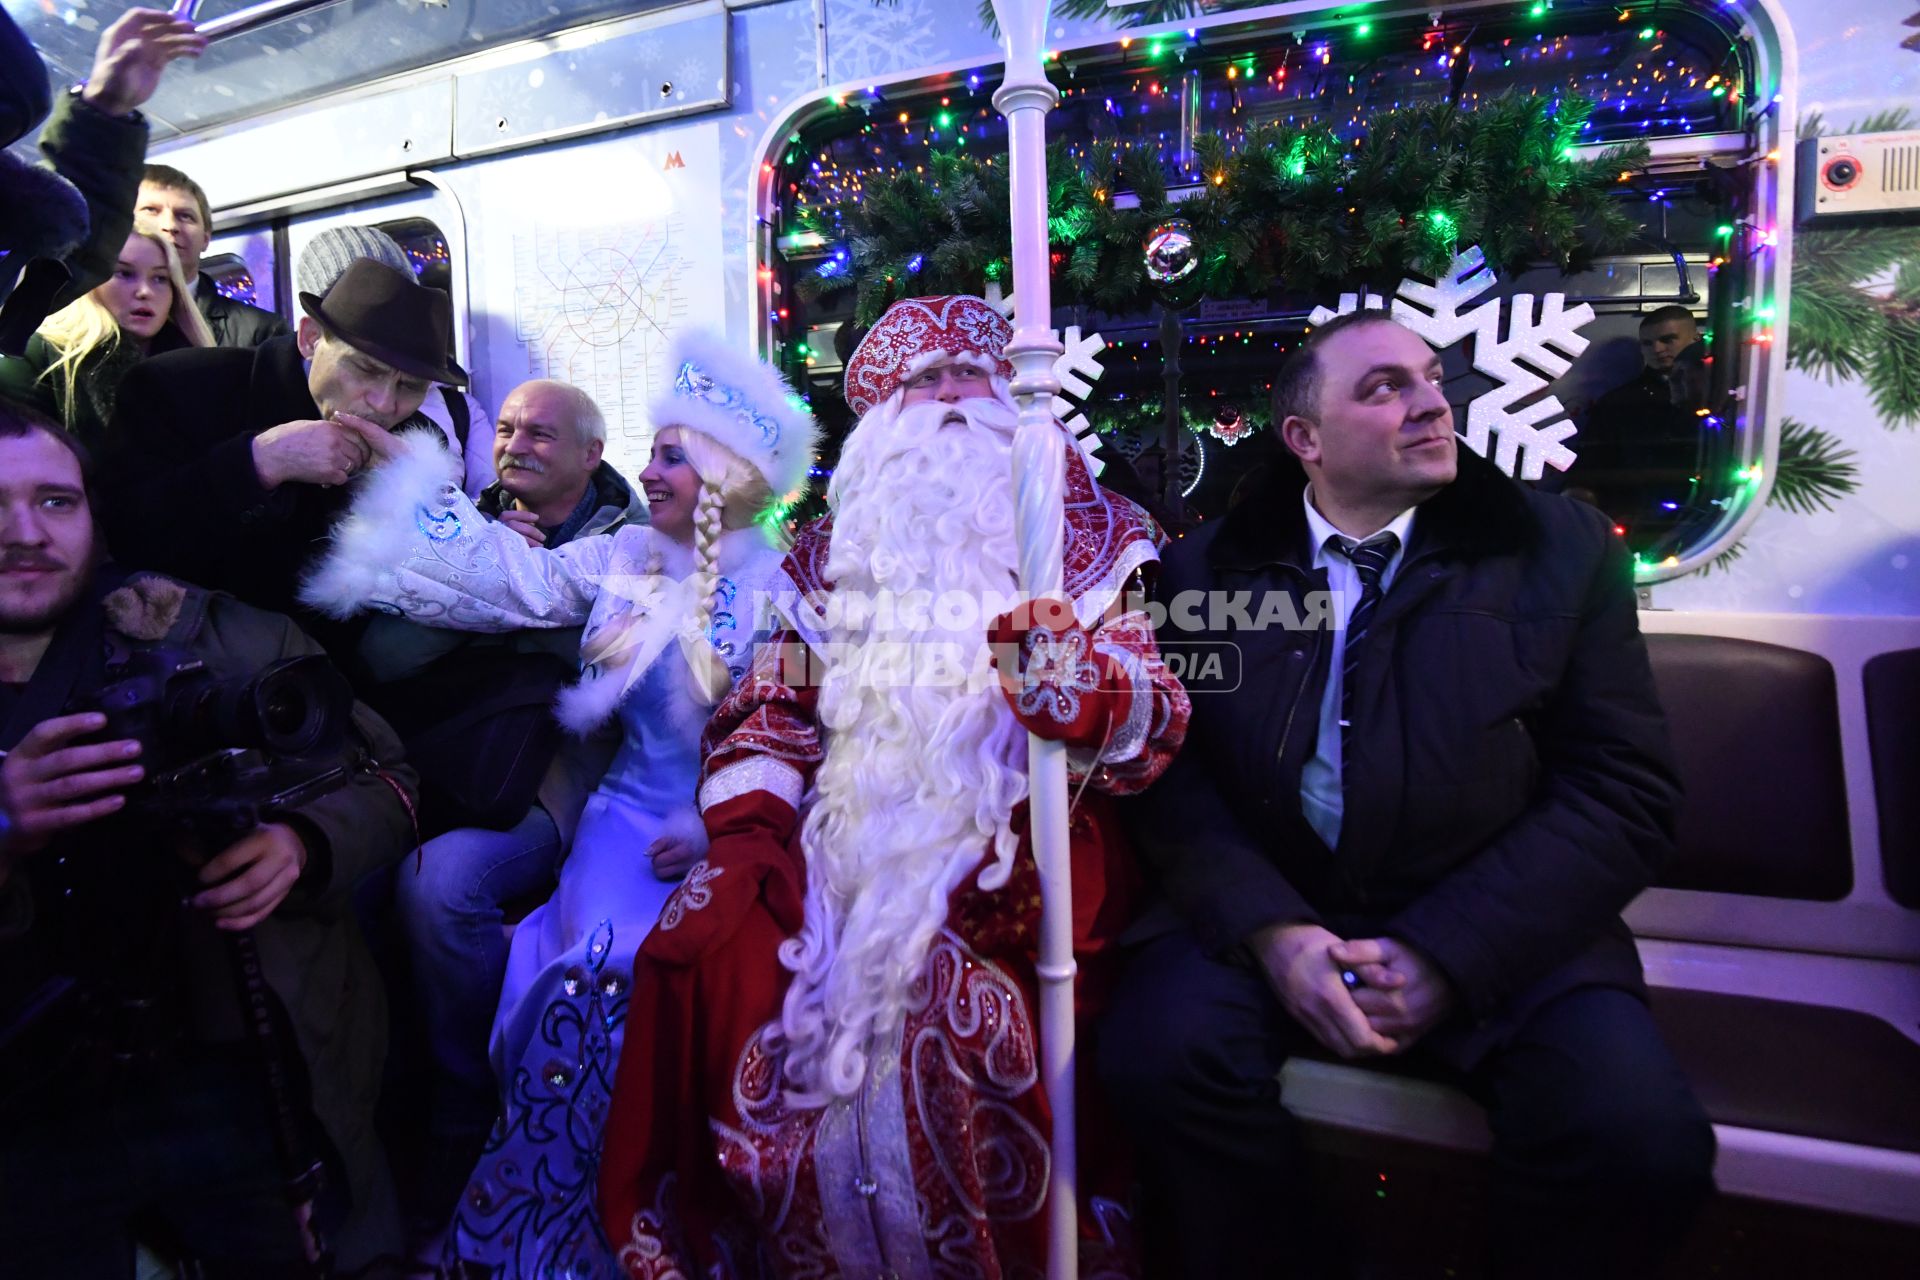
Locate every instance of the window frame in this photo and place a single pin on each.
(1767, 140)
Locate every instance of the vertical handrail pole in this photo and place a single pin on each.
(1039, 473)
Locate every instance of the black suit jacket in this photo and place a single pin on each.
(179, 491)
(235, 324)
(1509, 786)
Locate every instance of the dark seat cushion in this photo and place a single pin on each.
(1893, 727)
(1795, 1068)
(1756, 729)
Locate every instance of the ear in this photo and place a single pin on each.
(1302, 437)
(595, 448)
(307, 336)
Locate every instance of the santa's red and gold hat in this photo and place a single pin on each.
(917, 333)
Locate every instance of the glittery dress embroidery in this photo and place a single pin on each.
(528, 1210)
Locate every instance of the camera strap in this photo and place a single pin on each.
(301, 1166)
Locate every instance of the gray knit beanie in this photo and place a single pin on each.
(334, 249)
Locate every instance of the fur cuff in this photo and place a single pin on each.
(381, 529)
(146, 608)
(590, 703)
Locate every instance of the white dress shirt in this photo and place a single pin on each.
(1320, 795)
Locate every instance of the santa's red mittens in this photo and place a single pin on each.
(1059, 688)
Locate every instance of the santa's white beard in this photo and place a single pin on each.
(920, 777)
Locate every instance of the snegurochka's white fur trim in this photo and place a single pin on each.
(377, 533)
(739, 400)
(591, 701)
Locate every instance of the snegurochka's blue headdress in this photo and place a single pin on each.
(722, 391)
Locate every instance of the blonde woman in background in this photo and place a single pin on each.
(74, 362)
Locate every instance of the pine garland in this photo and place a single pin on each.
(1144, 415)
(1288, 208)
(1139, 15)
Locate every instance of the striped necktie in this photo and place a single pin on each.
(1370, 560)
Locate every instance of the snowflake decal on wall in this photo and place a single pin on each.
(1078, 368)
(1520, 430)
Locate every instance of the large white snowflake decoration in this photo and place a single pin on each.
(1532, 433)
(1078, 368)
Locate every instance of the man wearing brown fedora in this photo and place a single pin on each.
(225, 466)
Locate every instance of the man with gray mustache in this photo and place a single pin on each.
(554, 484)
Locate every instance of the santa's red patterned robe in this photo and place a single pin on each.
(939, 1167)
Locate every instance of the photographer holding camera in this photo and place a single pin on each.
(184, 787)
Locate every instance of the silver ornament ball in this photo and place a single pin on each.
(1170, 253)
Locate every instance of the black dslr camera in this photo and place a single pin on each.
(223, 753)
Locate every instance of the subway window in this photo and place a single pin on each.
(1680, 321)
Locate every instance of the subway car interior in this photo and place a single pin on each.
(585, 180)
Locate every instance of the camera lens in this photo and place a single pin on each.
(283, 713)
(1842, 172)
(299, 706)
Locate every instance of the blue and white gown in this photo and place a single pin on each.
(414, 546)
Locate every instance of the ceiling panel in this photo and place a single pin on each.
(334, 46)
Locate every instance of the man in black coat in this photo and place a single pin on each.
(178, 206)
(226, 466)
(1640, 447)
(1404, 826)
(77, 208)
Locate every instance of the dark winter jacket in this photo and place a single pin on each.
(234, 323)
(1509, 787)
(616, 503)
(85, 202)
(95, 389)
(1641, 443)
(180, 493)
(71, 911)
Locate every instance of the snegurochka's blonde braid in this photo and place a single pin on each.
(708, 515)
(733, 495)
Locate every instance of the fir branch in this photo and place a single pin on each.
(1892, 120)
(1893, 375)
(1724, 561)
(1141, 15)
(1841, 329)
(1813, 471)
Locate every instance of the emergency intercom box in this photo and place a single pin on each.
(1847, 175)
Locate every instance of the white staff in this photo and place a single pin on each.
(1039, 467)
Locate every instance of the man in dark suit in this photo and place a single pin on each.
(1408, 833)
(226, 467)
(178, 206)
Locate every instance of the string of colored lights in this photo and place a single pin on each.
(1162, 90)
(1652, 76)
